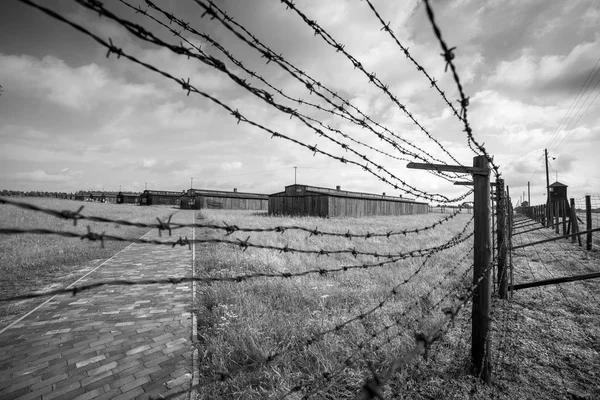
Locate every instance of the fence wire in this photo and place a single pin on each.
(377, 339)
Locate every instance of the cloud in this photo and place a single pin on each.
(231, 166)
(78, 88)
(40, 176)
(547, 73)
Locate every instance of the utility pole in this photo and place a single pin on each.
(528, 195)
(145, 185)
(295, 175)
(547, 177)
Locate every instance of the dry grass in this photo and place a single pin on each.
(242, 323)
(39, 262)
(544, 342)
(551, 348)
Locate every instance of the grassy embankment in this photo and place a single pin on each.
(243, 322)
(31, 262)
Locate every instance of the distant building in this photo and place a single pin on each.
(128, 198)
(219, 199)
(109, 197)
(323, 202)
(160, 197)
(83, 196)
(558, 192)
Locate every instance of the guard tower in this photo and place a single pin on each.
(558, 192)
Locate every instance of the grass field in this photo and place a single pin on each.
(243, 323)
(544, 342)
(39, 262)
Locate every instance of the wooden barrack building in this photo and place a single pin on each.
(160, 198)
(198, 199)
(303, 200)
(128, 198)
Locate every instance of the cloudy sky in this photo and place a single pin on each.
(71, 118)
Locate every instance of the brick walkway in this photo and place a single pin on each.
(114, 342)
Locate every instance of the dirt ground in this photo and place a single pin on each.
(547, 343)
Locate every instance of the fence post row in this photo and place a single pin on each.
(501, 235)
(588, 221)
(480, 343)
(573, 219)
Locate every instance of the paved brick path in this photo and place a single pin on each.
(114, 342)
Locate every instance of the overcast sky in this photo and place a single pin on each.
(71, 118)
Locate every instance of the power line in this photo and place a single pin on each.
(574, 103)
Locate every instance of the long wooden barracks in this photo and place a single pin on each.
(303, 200)
(160, 197)
(198, 199)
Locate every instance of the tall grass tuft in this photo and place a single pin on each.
(240, 324)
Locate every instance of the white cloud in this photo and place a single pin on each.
(40, 176)
(231, 166)
(80, 88)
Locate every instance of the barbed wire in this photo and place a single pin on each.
(168, 226)
(141, 33)
(433, 82)
(456, 240)
(184, 241)
(186, 27)
(424, 340)
(223, 375)
(398, 321)
(209, 60)
(449, 55)
(320, 31)
(312, 85)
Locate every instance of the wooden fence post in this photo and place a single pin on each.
(573, 219)
(563, 211)
(510, 233)
(556, 218)
(588, 221)
(502, 237)
(494, 243)
(543, 216)
(575, 222)
(480, 348)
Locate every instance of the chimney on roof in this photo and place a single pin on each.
(383, 193)
(338, 188)
(234, 190)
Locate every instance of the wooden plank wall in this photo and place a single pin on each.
(231, 203)
(331, 206)
(353, 207)
(154, 200)
(316, 205)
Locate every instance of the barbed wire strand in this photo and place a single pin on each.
(433, 82)
(449, 55)
(224, 375)
(237, 278)
(186, 27)
(143, 34)
(424, 340)
(399, 320)
(190, 88)
(312, 85)
(169, 226)
(320, 31)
